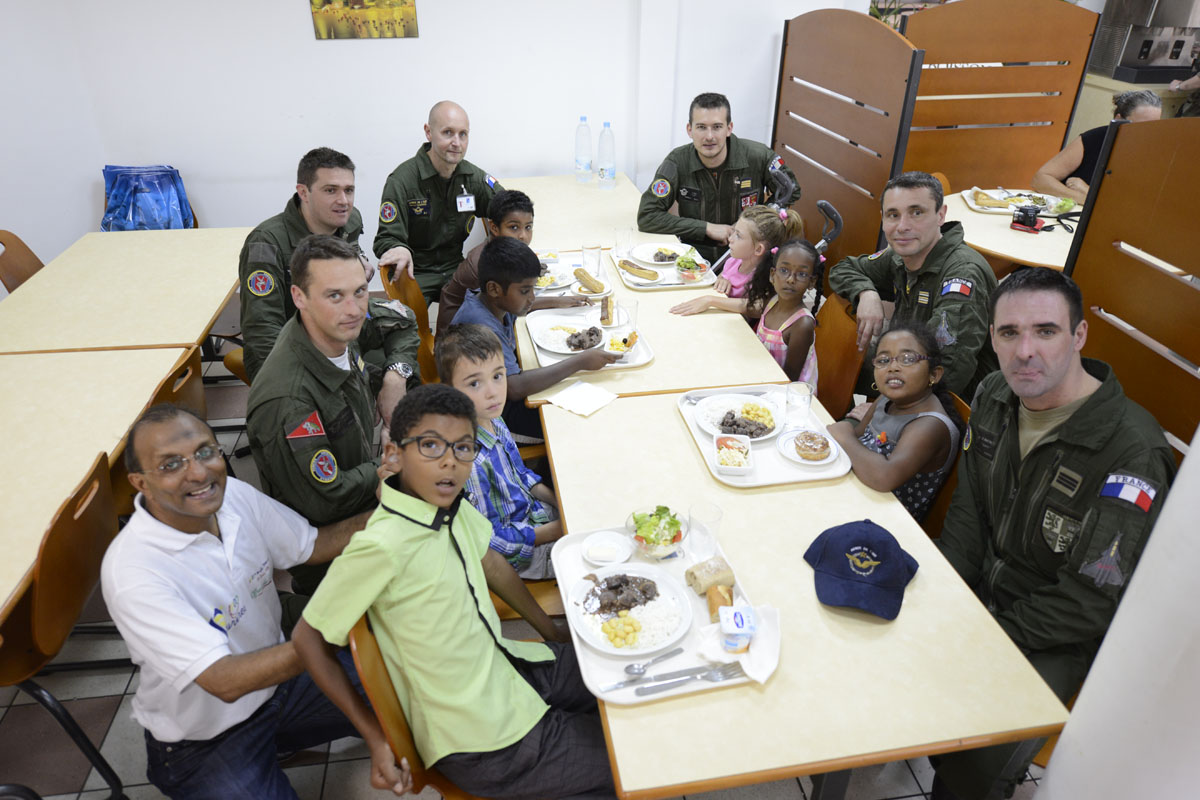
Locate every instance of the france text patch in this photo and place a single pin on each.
(260, 283)
(776, 163)
(1130, 489)
(387, 211)
(957, 286)
(660, 188)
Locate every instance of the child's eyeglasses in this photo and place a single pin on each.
(787, 275)
(906, 359)
(433, 446)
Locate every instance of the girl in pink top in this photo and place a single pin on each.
(757, 231)
(786, 327)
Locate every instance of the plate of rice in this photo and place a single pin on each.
(659, 611)
(746, 409)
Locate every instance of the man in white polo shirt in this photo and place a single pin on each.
(189, 583)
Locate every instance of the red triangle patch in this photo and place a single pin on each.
(311, 426)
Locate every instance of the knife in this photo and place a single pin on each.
(666, 676)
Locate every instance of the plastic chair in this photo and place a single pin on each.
(65, 574)
(17, 263)
(408, 291)
(235, 362)
(932, 525)
(837, 354)
(377, 683)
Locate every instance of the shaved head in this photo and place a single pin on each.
(443, 107)
(448, 131)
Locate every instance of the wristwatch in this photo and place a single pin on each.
(405, 370)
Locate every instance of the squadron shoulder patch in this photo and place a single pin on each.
(876, 255)
(260, 283)
(1106, 570)
(660, 188)
(323, 466)
(387, 211)
(309, 427)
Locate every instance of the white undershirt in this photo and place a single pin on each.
(342, 361)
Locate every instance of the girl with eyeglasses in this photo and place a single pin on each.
(907, 440)
(787, 328)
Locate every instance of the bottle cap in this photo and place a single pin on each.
(583, 118)
(606, 124)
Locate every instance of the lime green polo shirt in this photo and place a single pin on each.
(458, 690)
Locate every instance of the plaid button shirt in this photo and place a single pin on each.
(499, 487)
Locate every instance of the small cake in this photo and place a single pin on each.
(811, 446)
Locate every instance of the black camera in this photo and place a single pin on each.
(1026, 216)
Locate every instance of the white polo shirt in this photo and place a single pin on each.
(182, 601)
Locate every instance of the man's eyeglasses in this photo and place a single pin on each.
(906, 359)
(205, 455)
(433, 446)
(786, 274)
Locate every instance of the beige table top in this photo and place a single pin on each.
(991, 235)
(715, 348)
(568, 214)
(850, 689)
(52, 433)
(126, 289)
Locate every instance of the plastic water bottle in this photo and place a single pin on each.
(606, 159)
(583, 151)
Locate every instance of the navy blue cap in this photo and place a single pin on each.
(861, 565)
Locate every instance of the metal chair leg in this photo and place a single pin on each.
(68, 724)
(15, 791)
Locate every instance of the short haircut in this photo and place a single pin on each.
(474, 342)
(153, 415)
(915, 180)
(506, 261)
(1126, 103)
(321, 158)
(1042, 279)
(710, 100)
(318, 246)
(506, 202)
(429, 398)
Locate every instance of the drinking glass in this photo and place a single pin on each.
(799, 401)
(704, 520)
(622, 242)
(591, 259)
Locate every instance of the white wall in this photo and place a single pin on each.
(233, 95)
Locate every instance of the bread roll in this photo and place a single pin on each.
(587, 281)
(718, 596)
(709, 573)
(634, 269)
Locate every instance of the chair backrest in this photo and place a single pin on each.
(68, 563)
(17, 262)
(235, 362)
(1000, 78)
(838, 356)
(408, 291)
(932, 524)
(372, 671)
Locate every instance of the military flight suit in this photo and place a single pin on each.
(1048, 543)
(312, 431)
(419, 211)
(705, 195)
(950, 293)
(389, 335)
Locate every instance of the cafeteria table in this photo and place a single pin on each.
(1005, 248)
(132, 289)
(850, 689)
(715, 348)
(567, 215)
(59, 410)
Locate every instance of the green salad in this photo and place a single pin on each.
(658, 528)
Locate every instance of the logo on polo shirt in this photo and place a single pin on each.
(223, 619)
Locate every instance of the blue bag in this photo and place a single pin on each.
(145, 198)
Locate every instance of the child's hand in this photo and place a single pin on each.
(596, 358)
(722, 285)
(385, 774)
(697, 305)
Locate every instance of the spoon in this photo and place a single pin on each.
(640, 669)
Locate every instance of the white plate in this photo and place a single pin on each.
(788, 450)
(640, 281)
(668, 588)
(643, 254)
(555, 341)
(577, 288)
(560, 280)
(716, 405)
(1002, 194)
(619, 544)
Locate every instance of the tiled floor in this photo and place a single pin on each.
(34, 751)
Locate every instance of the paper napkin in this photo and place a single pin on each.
(760, 660)
(582, 398)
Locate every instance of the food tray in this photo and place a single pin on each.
(600, 670)
(583, 317)
(770, 467)
(671, 279)
(1003, 194)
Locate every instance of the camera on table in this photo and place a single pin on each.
(1026, 216)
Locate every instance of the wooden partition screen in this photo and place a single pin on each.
(846, 88)
(1135, 261)
(998, 87)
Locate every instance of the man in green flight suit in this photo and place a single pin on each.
(1061, 481)
(712, 180)
(323, 204)
(930, 275)
(430, 203)
(311, 415)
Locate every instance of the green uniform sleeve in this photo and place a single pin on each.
(393, 217)
(1079, 605)
(965, 531)
(960, 324)
(854, 275)
(262, 273)
(390, 337)
(654, 214)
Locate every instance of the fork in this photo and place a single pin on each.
(692, 399)
(726, 672)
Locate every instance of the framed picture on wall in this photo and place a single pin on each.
(364, 19)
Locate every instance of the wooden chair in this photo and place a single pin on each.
(837, 355)
(235, 362)
(408, 291)
(943, 180)
(382, 693)
(17, 262)
(65, 574)
(544, 592)
(932, 525)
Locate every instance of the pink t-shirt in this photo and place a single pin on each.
(738, 280)
(773, 340)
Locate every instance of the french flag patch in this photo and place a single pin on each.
(957, 286)
(1130, 489)
(491, 182)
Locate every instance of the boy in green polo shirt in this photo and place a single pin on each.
(498, 717)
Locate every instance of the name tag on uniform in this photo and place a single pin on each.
(418, 207)
(466, 202)
(689, 193)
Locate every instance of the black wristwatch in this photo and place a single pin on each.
(405, 370)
